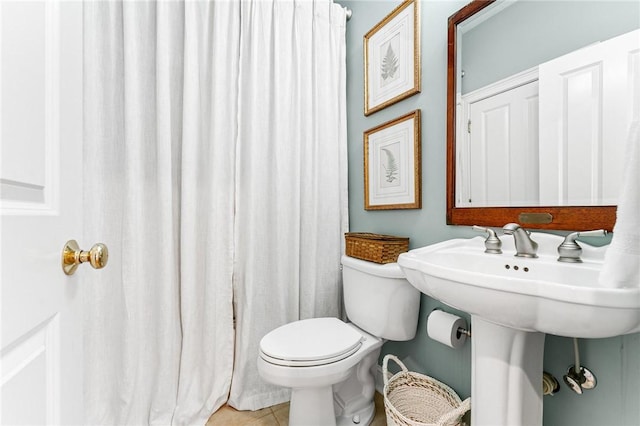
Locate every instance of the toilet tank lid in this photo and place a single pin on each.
(387, 270)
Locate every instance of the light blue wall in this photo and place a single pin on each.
(616, 361)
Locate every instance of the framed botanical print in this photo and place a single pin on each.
(392, 164)
(392, 58)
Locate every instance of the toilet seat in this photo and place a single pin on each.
(310, 342)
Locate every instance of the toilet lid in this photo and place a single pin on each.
(311, 342)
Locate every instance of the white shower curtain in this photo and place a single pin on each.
(291, 181)
(215, 163)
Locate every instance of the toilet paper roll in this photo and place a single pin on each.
(443, 327)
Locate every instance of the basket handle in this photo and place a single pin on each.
(385, 371)
(453, 416)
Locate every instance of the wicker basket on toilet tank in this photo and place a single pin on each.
(376, 248)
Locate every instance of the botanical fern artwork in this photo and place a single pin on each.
(389, 64)
(391, 167)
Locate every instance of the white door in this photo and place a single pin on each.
(587, 100)
(41, 196)
(502, 135)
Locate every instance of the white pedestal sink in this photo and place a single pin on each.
(513, 302)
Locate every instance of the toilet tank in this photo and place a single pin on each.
(379, 299)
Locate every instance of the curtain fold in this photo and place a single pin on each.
(291, 209)
(207, 207)
(159, 321)
(131, 333)
(215, 162)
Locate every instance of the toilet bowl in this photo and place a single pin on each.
(311, 380)
(330, 364)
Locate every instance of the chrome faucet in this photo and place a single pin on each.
(525, 246)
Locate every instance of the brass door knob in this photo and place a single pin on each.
(72, 256)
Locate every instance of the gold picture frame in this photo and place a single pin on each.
(392, 65)
(393, 164)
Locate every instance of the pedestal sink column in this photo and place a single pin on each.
(506, 370)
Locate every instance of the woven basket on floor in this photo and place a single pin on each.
(413, 399)
(375, 247)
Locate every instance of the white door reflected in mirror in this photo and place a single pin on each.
(553, 135)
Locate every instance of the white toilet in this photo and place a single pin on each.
(329, 364)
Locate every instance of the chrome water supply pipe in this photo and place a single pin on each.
(579, 377)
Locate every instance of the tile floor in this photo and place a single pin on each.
(278, 415)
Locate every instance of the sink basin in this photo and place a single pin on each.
(513, 303)
(538, 294)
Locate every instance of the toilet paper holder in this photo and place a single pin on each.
(464, 331)
(460, 331)
(448, 329)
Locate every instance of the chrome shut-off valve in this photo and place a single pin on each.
(579, 377)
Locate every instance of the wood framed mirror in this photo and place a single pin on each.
(538, 215)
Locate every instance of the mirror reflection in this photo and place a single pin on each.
(545, 92)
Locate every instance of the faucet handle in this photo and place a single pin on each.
(492, 244)
(569, 251)
(596, 233)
